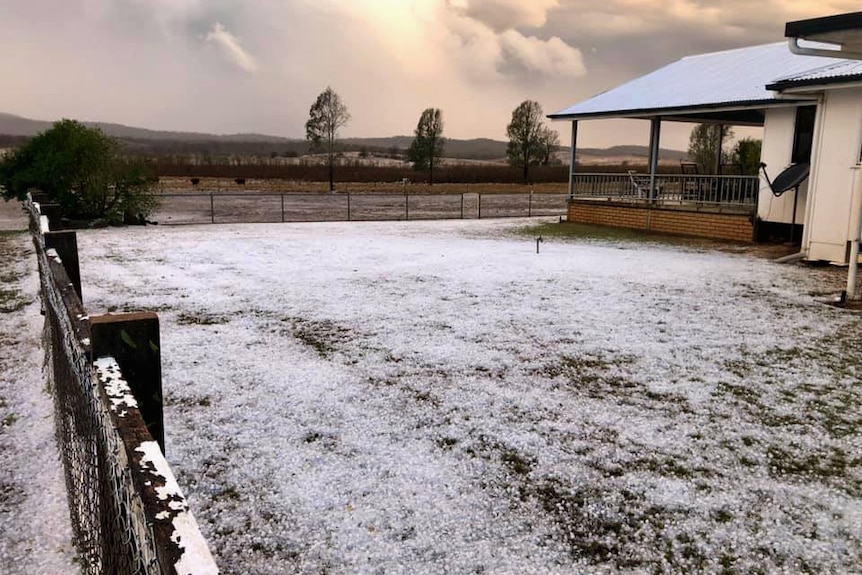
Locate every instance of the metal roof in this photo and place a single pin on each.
(706, 83)
(842, 71)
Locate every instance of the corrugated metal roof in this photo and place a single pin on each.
(843, 70)
(728, 79)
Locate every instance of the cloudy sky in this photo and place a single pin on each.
(228, 66)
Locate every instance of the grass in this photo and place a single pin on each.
(324, 337)
(673, 471)
(11, 299)
(201, 318)
(587, 232)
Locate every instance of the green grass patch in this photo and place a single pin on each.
(589, 232)
(570, 230)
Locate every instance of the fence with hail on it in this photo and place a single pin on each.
(128, 513)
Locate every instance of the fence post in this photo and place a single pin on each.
(51, 211)
(480, 206)
(66, 246)
(406, 205)
(462, 206)
(133, 340)
(348, 206)
(212, 209)
(282, 207)
(530, 205)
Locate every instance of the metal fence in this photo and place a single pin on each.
(127, 515)
(737, 191)
(256, 207)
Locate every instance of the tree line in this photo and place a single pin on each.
(531, 142)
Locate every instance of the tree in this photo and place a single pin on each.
(525, 133)
(747, 154)
(549, 140)
(82, 170)
(328, 114)
(428, 142)
(703, 146)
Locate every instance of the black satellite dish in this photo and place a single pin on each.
(790, 179)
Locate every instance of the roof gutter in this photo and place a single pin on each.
(793, 44)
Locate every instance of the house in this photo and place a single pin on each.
(807, 98)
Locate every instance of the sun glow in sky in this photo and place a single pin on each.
(256, 65)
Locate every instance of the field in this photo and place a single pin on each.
(436, 397)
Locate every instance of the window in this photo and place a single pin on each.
(803, 136)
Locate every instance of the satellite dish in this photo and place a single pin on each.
(789, 179)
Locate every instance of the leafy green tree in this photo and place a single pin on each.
(704, 143)
(82, 170)
(328, 114)
(428, 142)
(746, 152)
(525, 133)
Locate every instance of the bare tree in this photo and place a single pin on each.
(549, 141)
(703, 146)
(428, 142)
(327, 115)
(525, 136)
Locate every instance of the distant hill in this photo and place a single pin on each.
(14, 129)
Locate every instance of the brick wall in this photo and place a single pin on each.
(679, 221)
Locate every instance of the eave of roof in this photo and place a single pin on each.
(826, 25)
(683, 113)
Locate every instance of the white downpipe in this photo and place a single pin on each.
(852, 268)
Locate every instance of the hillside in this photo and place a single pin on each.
(14, 129)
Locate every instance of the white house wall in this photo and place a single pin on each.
(833, 175)
(776, 151)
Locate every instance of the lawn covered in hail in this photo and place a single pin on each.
(435, 397)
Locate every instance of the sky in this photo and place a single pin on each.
(240, 66)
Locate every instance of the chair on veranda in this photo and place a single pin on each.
(641, 184)
(734, 169)
(689, 168)
(690, 186)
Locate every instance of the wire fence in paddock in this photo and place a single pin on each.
(262, 207)
(121, 523)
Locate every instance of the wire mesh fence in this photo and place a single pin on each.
(261, 207)
(121, 511)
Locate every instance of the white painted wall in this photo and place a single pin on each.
(829, 223)
(776, 151)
